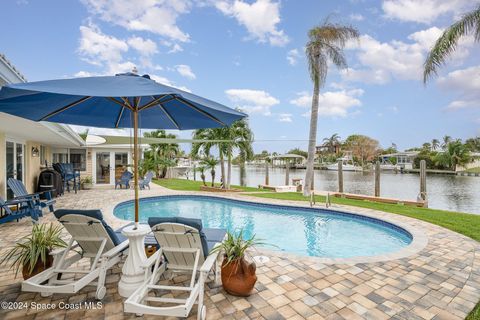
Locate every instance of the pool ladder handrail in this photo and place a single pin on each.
(328, 202)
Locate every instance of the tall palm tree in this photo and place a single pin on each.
(435, 144)
(447, 43)
(326, 42)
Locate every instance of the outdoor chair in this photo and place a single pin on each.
(69, 174)
(92, 239)
(20, 212)
(145, 182)
(31, 199)
(124, 180)
(184, 247)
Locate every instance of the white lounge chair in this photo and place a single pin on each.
(91, 238)
(184, 247)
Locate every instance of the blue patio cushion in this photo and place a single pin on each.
(194, 223)
(96, 214)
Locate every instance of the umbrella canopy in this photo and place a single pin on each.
(115, 102)
(108, 102)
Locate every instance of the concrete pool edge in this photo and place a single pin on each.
(418, 243)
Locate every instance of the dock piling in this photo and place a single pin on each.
(340, 176)
(377, 179)
(267, 178)
(423, 182)
(287, 172)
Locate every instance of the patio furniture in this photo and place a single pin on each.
(124, 180)
(69, 174)
(184, 247)
(20, 212)
(33, 199)
(96, 241)
(145, 182)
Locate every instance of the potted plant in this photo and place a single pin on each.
(32, 253)
(87, 183)
(238, 275)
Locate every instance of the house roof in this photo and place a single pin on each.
(288, 155)
(43, 132)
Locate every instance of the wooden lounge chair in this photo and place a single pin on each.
(20, 212)
(124, 180)
(145, 182)
(184, 247)
(21, 193)
(92, 239)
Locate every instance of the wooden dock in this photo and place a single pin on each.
(379, 199)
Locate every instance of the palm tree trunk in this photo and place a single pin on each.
(222, 168)
(229, 170)
(312, 139)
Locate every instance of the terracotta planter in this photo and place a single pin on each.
(39, 267)
(238, 277)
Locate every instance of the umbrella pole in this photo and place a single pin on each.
(135, 162)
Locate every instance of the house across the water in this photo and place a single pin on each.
(404, 160)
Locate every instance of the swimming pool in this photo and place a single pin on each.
(303, 231)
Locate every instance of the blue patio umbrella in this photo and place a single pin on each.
(115, 102)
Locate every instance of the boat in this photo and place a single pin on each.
(347, 165)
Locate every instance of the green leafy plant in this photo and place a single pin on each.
(87, 180)
(37, 245)
(235, 246)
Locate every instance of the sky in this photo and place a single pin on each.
(250, 55)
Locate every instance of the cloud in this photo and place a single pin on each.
(159, 17)
(102, 47)
(422, 11)
(252, 101)
(285, 117)
(331, 103)
(465, 83)
(145, 47)
(168, 82)
(383, 61)
(356, 17)
(260, 17)
(185, 71)
(293, 56)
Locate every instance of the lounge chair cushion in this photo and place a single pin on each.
(96, 214)
(214, 236)
(194, 223)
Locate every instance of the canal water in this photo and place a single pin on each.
(448, 192)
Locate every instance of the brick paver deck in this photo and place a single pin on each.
(441, 281)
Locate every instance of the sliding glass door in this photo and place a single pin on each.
(14, 162)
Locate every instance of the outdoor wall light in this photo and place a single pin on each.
(35, 152)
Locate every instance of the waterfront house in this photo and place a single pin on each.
(403, 160)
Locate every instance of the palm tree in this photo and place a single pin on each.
(210, 163)
(326, 42)
(427, 146)
(163, 153)
(447, 43)
(228, 139)
(455, 153)
(435, 144)
(331, 142)
(446, 141)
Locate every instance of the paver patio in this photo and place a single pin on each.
(441, 281)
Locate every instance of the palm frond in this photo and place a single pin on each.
(448, 41)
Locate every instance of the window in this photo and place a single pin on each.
(79, 159)
(60, 155)
(76, 156)
(43, 155)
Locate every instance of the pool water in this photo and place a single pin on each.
(303, 231)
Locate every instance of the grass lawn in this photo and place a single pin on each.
(190, 185)
(464, 223)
